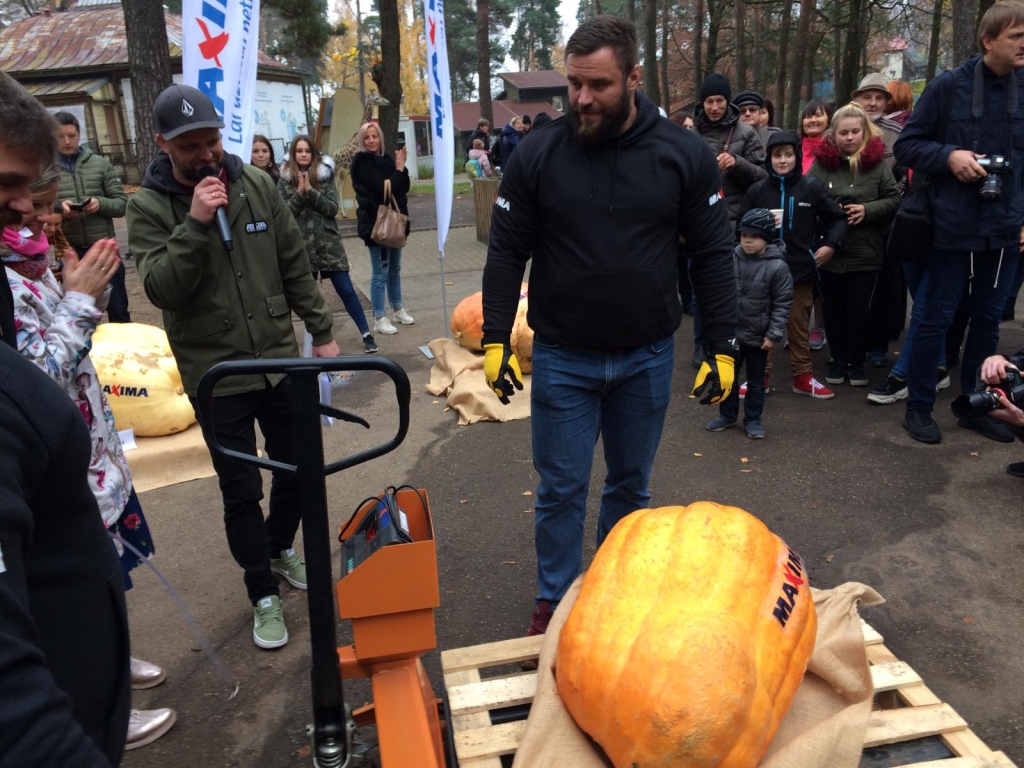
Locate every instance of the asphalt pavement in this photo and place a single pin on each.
(935, 529)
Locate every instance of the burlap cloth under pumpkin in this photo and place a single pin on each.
(458, 373)
(824, 728)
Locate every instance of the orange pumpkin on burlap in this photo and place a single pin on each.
(689, 639)
(467, 321)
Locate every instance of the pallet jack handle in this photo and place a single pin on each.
(329, 735)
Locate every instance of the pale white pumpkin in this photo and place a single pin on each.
(140, 379)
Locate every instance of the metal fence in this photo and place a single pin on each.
(125, 160)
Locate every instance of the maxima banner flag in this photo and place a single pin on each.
(440, 116)
(220, 39)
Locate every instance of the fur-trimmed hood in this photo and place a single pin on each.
(324, 173)
(828, 154)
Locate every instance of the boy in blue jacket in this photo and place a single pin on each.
(806, 207)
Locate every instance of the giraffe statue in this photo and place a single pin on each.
(343, 157)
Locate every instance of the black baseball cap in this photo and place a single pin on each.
(182, 108)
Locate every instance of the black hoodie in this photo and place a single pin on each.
(805, 204)
(602, 225)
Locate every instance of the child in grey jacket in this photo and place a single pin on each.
(765, 291)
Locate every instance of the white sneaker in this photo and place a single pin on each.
(383, 325)
(403, 317)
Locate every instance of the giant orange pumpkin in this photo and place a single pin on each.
(688, 640)
(467, 321)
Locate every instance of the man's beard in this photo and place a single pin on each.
(612, 119)
(194, 174)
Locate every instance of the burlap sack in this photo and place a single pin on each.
(459, 373)
(824, 728)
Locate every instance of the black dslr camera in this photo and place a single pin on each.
(992, 185)
(980, 403)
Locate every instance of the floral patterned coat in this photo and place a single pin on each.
(54, 330)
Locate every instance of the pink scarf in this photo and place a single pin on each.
(28, 256)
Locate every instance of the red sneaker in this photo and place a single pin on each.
(808, 385)
(743, 388)
(538, 626)
(540, 619)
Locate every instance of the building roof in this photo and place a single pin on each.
(545, 78)
(88, 85)
(92, 36)
(466, 114)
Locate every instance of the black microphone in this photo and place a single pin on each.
(221, 217)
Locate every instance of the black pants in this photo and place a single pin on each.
(252, 540)
(847, 297)
(889, 308)
(117, 307)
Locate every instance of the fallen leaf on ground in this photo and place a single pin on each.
(746, 471)
(304, 751)
(508, 562)
(698, 455)
(745, 460)
(527, 493)
(974, 453)
(434, 402)
(829, 558)
(449, 283)
(463, 501)
(970, 620)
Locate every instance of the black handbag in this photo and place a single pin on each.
(910, 237)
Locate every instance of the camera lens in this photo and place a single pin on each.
(972, 406)
(991, 187)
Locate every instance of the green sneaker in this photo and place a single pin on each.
(290, 566)
(268, 629)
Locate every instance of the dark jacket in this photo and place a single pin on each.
(804, 203)
(63, 625)
(963, 221)
(369, 172)
(743, 145)
(93, 176)
(220, 305)
(510, 139)
(764, 290)
(602, 225)
(316, 214)
(873, 186)
(7, 331)
(476, 134)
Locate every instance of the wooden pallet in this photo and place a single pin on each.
(906, 711)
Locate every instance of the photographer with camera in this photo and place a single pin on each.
(977, 196)
(1002, 398)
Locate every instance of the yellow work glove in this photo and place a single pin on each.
(501, 369)
(717, 373)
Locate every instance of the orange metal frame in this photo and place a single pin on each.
(390, 599)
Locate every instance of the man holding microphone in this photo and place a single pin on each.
(229, 296)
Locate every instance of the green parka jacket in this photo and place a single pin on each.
(316, 214)
(874, 187)
(220, 305)
(94, 176)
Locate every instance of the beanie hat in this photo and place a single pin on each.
(760, 222)
(526, 120)
(749, 97)
(715, 84)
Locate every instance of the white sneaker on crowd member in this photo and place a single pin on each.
(147, 725)
(383, 325)
(145, 675)
(403, 317)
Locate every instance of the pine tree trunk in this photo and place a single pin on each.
(933, 45)
(964, 14)
(387, 72)
(149, 69)
(780, 82)
(758, 73)
(741, 46)
(983, 5)
(715, 10)
(483, 55)
(597, 7)
(666, 98)
(851, 52)
(631, 10)
(698, 48)
(803, 39)
(837, 57)
(651, 88)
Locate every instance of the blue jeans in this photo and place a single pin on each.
(342, 283)
(948, 274)
(753, 404)
(578, 395)
(917, 278)
(387, 276)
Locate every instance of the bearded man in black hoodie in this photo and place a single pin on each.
(600, 201)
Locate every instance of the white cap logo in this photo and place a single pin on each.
(186, 108)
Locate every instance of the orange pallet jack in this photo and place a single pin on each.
(388, 591)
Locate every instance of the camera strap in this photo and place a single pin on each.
(978, 103)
